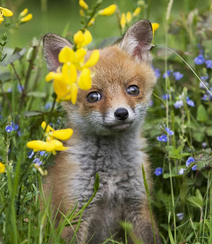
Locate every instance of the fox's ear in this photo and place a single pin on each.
(52, 45)
(137, 41)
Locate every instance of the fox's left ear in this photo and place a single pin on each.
(137, 41)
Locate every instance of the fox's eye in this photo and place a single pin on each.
(133, 90)
(93, 97)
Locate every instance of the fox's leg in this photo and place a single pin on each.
(142, 226)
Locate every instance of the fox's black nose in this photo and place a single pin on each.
(121, 113)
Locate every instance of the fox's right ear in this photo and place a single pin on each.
(137, 41)
(52, 45)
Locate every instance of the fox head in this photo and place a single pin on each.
(121, 87)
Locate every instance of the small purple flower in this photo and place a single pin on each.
(20, 87)
(162, 138)
(15, 126)
(48, 105)
(205, 97)
(167, 74)
(178, 75)
(30, 154)
(165, 96)
(158, 171)
(157, 72)
(169, 131)
(178, 104)
(9, 89)
(199, 59)
(190, 102)
(37, 161)
(208, 64)
(0, 116)
(189, 161)
(181, 171)
(204, 78)
(180, 216)
(9, 128)
(203, 84)
(204, 144)
(19, 133)
(151, 103)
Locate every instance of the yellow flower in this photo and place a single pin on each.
(64, 134)
(81, 13)
(83, 4)
(108, 11)
(48, 128)
(82, 39)
(94, 58)
(74, 91)
(2, 168)
(53, 75)
(24, 12)
(137, 11)
(128, 17)
(84, 81)
(5, 12)
(155, 26)
(123, 20)
(37, 145)
(91, 22)
(26, 18)
(69, 73)
(66, 55)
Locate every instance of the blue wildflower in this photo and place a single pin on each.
(180, 216)
(203, 78)
(203, 84)
(167, 74)
(20, 87)
(9, 128)
(37, 161)
(15, 126)
(205, 97)
(0, 116)
(165, 96)
(158, 171)
(204, 144)
(181, 171)
(190, 102)
(157, 72)
(162, 138)
(189, 161)
(178, 75)
(48, 105)
(151, 103)
(178, 104)
(208, 64)
(169, 131)
(30, 154)
(19, 133)
(43, 153)
(199, 59)
(9, 90)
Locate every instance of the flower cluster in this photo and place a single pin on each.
(158, 171)
(189, 161)
(51, 144)
(5, 12)
(164, 138)
(177, 75)
(66, 81)
(24, 16)
(104, 12)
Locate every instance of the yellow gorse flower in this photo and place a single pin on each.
(123, 21)
(2, 168)
(127, 18)
(23, 17)
(155, 26)
(83, 4)
(66, 80)
(5, 12)
(108, 11)
(51, 144)
(137, 11)
(91, 22)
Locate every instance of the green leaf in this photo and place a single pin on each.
(209, 131)
(198, 136)
(17, 54)
(33, 113)
(196, 201)
(202, 113)
(6, 76)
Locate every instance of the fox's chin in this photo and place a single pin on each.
(118, 127)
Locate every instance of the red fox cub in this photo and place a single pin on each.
(107, 122)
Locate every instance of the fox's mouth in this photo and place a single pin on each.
(119, 127)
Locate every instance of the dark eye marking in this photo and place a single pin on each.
(93, 97)
(133, 90)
